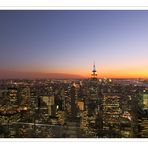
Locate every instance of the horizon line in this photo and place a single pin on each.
(9, 74)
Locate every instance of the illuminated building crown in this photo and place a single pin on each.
(94, 72)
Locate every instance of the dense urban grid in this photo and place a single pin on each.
(85, 108)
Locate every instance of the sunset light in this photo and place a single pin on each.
(67, 42)
(74, 74)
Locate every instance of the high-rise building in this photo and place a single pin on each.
(94, 73)
(24, 95)
(145, 100)
(73, 101)
(9, 97)
(111, 115)
(143, 115)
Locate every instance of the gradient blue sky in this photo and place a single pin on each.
(69, 42)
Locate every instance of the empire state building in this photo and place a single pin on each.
(94, 73)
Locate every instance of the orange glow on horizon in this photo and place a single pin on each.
(120, 73)
(82, 73)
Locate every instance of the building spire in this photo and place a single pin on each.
(94, 67)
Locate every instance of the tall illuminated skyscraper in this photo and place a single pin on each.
(94, 73)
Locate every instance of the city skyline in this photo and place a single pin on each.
(65, 43)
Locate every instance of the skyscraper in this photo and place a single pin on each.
(143, 115)
(111, 115)
(94, 73)
(73, 100)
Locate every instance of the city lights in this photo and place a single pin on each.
(51, 88)
(74, 108)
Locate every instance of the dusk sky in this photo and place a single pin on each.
(70, 41)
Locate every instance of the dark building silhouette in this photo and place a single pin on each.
(73, 101)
